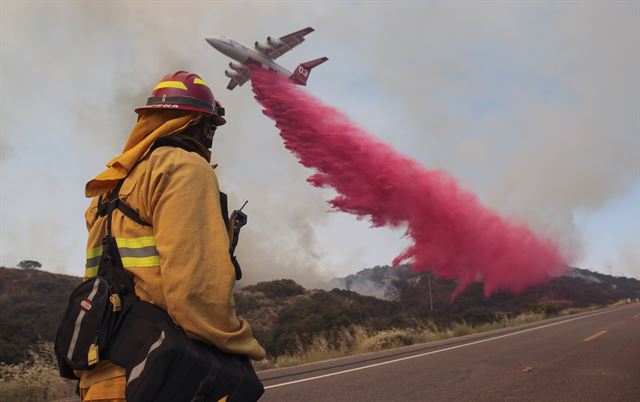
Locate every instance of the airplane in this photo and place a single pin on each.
(263, 54)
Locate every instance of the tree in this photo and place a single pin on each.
(29, 265)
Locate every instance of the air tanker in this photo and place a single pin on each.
(263, 54)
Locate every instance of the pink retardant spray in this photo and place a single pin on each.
(453, 234)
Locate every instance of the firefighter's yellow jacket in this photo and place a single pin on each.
(180, 263)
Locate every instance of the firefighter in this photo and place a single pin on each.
(178, 251)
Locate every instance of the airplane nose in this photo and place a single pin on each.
(216, 43)
(224, 46)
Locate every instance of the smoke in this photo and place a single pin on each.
(89, 65)
(630, 258)
(453, 235)
(538, 113)
(376, 282)
(281, 243)
(626, 262)
(364, 287)
(496, 94)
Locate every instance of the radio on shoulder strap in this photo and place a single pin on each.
(237, 220)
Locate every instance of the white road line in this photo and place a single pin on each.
(464, 345)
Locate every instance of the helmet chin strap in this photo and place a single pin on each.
(210, 128)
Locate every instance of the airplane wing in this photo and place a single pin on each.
(236, 81)
(239, 74)
(278, 47)
(232, 84)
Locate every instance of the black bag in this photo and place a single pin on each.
(163, 364)
(105, 320)
(79, 340)
(95, 308)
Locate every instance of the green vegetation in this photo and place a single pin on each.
(29, 265)
(550, 307)
(289, 323)
(296, 325)
(327, 313)
(278, 289)
(288, 319)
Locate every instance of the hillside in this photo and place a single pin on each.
(286, 317)
(31, 305)
(578, 288)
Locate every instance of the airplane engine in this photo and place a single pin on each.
(237, 66)
(263, 47)
(231, 74)
(274, 42)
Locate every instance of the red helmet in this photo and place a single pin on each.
(184, 91)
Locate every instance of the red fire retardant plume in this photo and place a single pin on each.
(453, 235)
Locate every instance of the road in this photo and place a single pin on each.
(588, 357)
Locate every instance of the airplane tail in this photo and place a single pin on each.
(301, 74)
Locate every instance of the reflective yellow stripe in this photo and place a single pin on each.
(137, 242)
(141, 262)
(93, 261)
(170, 84)
(91, 272)
(135, 252)
(199, 81)
(94, 252)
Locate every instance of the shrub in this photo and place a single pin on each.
(461, 329)
(277, 289)
(550, 307)
(36, 379)
(478, 315)
(29, 265)
(392, 338)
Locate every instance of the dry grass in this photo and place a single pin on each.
(626, 301)
(35, 380)
(356, 339)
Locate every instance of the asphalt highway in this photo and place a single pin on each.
(588, 357)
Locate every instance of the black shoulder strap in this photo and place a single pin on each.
(224, 208)
(171, 141)
(112, 202)
(130, 213)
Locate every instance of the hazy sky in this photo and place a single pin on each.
(534, 106)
